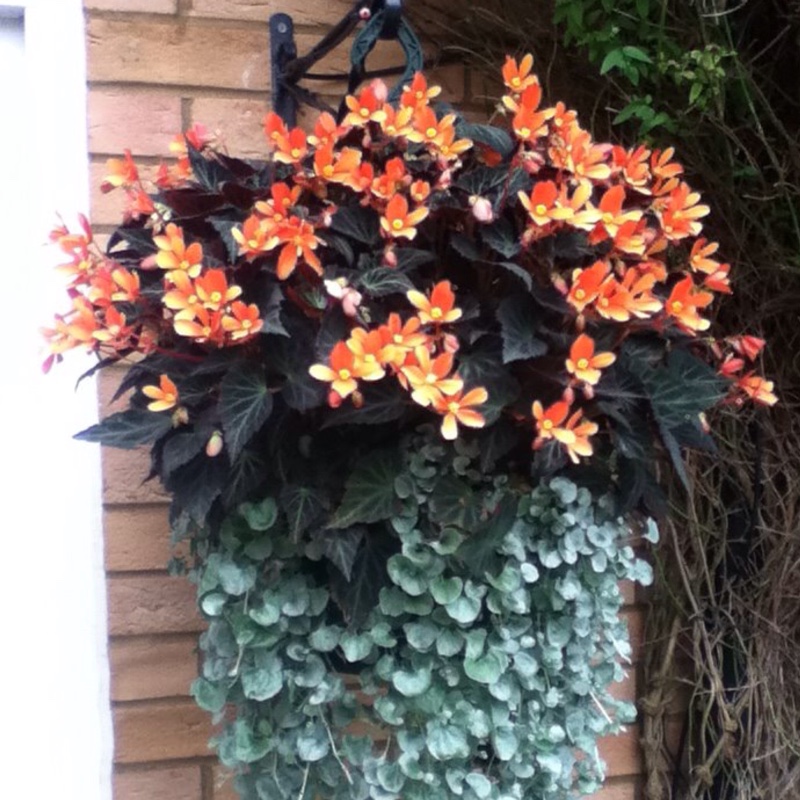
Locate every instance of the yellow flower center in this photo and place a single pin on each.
(524, 132)
(453, 407)
(398, 338)
(192, 300)
(436, 313)
(247, 324)
(515, 81)
(668, 229)
(547, 424)
(604, 302)
(431, 132)
(580, 294)
(206, 331)
(583, 363)
(397, 224)
(344, 374)
(364, 112)
(419, 95)
(540, 209)
(369, 358)
(676, 306)
(185, 265)
(558, 122)
(327, 170)
(608, 217)
(216, 297)
(296, 152)
(430, 378)
(169, 397)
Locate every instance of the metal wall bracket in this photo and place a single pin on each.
(384, 20)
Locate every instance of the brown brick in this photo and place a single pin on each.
(618, 789)
(177, 783)
(147, 667)
(163, 730)
(137, 539)
(303, 13)
(628, 589)
(124, 472)
(222, 785)
(239, 123)
(147, 6)
(625, 689)
(185, 53)
(146, 604)
(635, 617)
(141, 121)
(622, 753)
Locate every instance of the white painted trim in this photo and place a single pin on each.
(58, 740)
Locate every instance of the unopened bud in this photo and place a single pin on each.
(481, 209)
(358, 399)
(351, 300)
(334, 400)
(180, 416)
(214, 444)
(389, 258)
(451, 343)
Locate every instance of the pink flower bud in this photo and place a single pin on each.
(214, 444)
(481, 209)
(389, 258)
(451, 343)
(380, 89)
(149, 262)
(351, 300)
(334, 400)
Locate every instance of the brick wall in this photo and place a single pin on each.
(154, 68)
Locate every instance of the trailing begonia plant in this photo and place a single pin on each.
(403, 380)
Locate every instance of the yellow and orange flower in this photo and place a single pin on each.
(164, 396)
(340, 372)
(683, 304)
(430, 377)
(518, 77)
(121, 172)
(612, 215)
(213, 290)
(299, 241)
(400, 223)
(439, 308)
(458, 409)
(758, 389)
(586, 284)
(555, 423)
(398, 339)
(418, 93)
(291, 149)
(174, 255)
(242, 322)
(364, 108)
(584, 363)
(367, 347)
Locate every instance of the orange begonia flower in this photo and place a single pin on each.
(431, 131)
(367, 347)
(418, 93)
(572, 434)
(458, 409)
(127, 285)
(204, 326)
(174, 255)
(243, 321)
(584, 363)
(681, 213)
(183, 298)
(440, 308)
(339, 167)
(284, 198)
(398, 121)
(612, 215)
(291, 149)
(213, 290)
(758, 388)
(614, 301)
(576, 210)
(398, 339)
(529, 123)
(341, 374)
(121, 172)
(700, 259)
(748, 346)
(299, 240)
(683, 303)
(164, 396)
(563, 119)
(430, 377)
(719, 281)
(541, 204)
(586, 159)
(393, 179)
(326, 131)
(398, 222)
(275, 128)
(255, 236)
(633, 166)
(586, 284)
(364, 108)
(518, 77)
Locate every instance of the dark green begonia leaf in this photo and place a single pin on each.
(369, 492)
(245, 405)
(128, 429)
